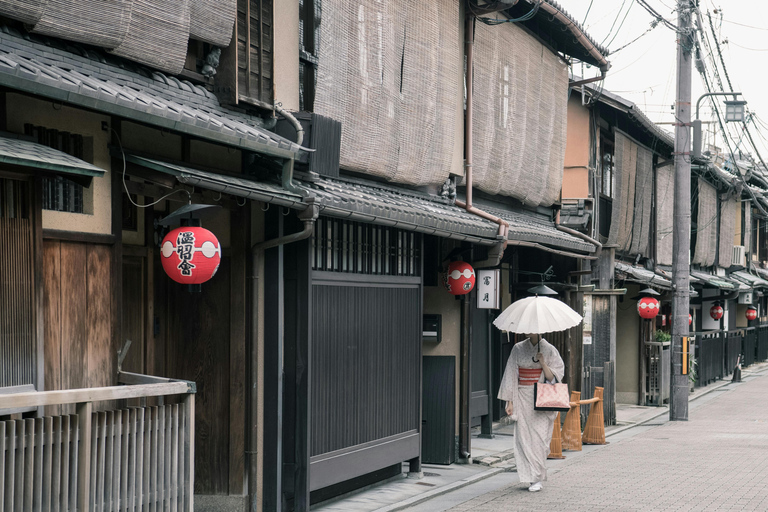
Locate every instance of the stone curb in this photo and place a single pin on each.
(420, 498)
(496, 458)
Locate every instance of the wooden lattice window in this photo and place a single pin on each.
(360, 248)
(59, 193)
(245, 73)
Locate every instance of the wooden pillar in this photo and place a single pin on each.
(273, 370)
(603, 347)
(298, 356)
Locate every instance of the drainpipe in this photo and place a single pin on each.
(288, 162)
(309, 216)
(603, 72)
(503, 225)
(295, 122)
(577, 234)
(464, 438)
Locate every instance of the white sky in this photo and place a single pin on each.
(645, 71)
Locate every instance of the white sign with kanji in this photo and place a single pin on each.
(488, 289)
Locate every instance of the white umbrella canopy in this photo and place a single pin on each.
(537, 315)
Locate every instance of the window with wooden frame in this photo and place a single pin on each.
(606, 183)
(60, 194)
(245, 73)
(309, 40)
(359, 248)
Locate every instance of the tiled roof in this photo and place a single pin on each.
(633, 112)
(641, 275)
(87, 78)
(31, 154)
(391, 206)
(716, 281)
(578, 25)
(750, 279)
(239, 186)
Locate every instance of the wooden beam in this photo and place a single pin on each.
(75, 396)
(78, 236)
(611, 291)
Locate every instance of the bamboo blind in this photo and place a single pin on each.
(26, 11)
(212, 20)
(520, 109)
(391, 73)
(97, 22)
(706, 225)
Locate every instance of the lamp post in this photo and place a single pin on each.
(734, 112)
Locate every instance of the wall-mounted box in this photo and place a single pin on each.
(432, 330)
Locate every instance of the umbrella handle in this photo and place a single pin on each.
(533, 358)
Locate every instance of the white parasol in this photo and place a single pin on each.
(537, 315)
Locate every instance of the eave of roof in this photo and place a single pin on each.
(561, 31)
(44, 67)
(716, 281)
(239, 186)
(642, 275)
(634, 113)
(411, 210)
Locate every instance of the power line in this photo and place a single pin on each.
(623, 3)
(655, 14)
(618, 30)
(654, 24)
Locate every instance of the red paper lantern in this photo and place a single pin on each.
(190, 255)
(648, 307)
(716, 312)
(460, 278)
(690, 319)
(751, 313)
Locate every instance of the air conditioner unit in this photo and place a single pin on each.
(322, 134)
(739, 256)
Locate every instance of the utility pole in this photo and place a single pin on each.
(678, 400)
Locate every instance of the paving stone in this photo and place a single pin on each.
(715, 461)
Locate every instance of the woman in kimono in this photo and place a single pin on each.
(532, 360)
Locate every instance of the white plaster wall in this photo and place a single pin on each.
(97, 198)
(438, 301)
(286, 52)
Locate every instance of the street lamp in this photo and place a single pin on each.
(734, 112)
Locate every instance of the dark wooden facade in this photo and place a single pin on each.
(349, 404)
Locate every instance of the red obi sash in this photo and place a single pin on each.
(529, 376)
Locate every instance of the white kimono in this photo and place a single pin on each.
(533, 429)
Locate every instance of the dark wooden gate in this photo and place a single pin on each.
(366, 323)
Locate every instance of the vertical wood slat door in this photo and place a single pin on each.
(18, 341)
(80, 351)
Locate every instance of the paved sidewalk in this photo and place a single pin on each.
(715, 461)
(494, 467)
